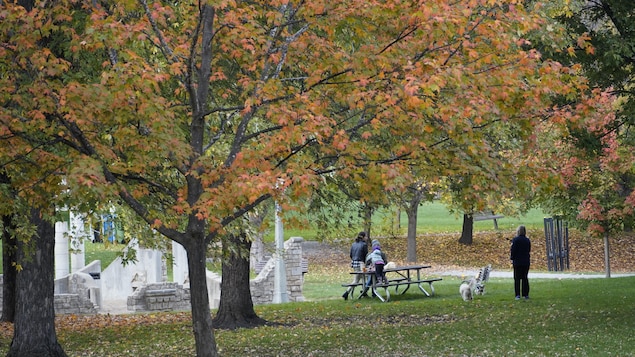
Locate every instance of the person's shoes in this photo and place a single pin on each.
(526, 297)
(345, 295)
(517, 297)
(364, 295)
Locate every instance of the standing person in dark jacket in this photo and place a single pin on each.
(358, 253)
(520, 256)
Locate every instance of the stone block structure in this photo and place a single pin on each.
(73, 304)
(69, 303)
(262, 286)
(159, 297)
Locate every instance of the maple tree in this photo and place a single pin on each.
(596, 159)
(30, 190)
(199, 112)
(488, 96)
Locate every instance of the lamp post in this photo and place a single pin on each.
(280, 280)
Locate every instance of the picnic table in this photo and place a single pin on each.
(397, 277)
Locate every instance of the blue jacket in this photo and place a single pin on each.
(520, 251)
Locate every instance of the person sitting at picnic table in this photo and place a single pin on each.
(369, 282)
(359, 250)
(377, 260)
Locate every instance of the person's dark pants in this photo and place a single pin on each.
(520, 280)
(379, 272)
(379, 276)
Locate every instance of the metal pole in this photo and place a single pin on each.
(607, 255)
(280, 281)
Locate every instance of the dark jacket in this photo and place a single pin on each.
(359, 250)
(520, 251)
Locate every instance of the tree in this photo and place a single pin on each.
(34, 325)
(9, 249)
(410, 199)
(591, 190)
(236, 306)
(9, 272)
(202, 112)
(597, 192)
(28, 186)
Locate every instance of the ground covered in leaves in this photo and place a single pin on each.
(443, 251)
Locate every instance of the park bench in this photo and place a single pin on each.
(487, 215)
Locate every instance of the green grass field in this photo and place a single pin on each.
(581, 317)
(432, 217)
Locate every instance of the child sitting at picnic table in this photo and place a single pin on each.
(377, 260)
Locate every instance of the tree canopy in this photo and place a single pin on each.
(194, 113)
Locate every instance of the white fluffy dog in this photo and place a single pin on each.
(466, 289)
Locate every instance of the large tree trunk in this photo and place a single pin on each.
(9, 249)
(368, 220)
(411, 254)
(34, 327)
(236, 307)
(9, 276)
(201, 316)
(467, 233)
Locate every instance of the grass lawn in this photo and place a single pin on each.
(564, 317)
(569, 317)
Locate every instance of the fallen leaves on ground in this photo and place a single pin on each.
(76, 323)
(443, 251)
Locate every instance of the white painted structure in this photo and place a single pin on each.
(61, 250)
(118, 281)
(77, 236)
(180, 272)
(114, 285)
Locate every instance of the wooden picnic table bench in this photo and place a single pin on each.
(486, 215)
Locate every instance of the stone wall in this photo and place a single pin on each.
(73, 304)
(159, 297)
(262, 286)
(69, 303)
